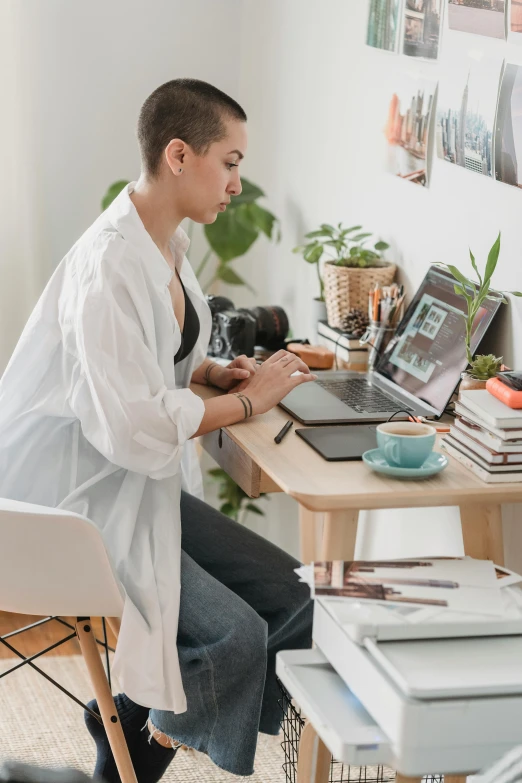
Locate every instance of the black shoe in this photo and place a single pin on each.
(150, 760)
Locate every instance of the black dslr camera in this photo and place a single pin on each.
(238, 331)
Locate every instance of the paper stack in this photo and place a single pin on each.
(486, 437)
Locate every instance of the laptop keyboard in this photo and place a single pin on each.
(359, 395)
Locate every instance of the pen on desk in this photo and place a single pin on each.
(280, 435)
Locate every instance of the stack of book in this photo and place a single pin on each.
(349, 353)
(486, 437)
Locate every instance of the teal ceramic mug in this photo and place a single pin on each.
(405, 444)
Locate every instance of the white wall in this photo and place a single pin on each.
(317, 101)
(77, 74)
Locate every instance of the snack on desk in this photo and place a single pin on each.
(317, 357)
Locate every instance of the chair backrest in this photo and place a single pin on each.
(54, 562)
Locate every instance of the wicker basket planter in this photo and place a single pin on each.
(346, 288)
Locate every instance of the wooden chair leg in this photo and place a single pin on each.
(307, 530)
(482, 531)
(313, 758)
(403, 779)
(105, 701)
(455, 778)
(339, 534)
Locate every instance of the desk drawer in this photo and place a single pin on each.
(239, 466)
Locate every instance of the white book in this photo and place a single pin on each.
(489, 455)
(482, 473)
(339, 337)
(509, 434)
(491, 410)
(345, 354)
(472, 454)
(491, 441)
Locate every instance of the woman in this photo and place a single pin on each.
(96, 417)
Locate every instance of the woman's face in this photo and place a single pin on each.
(208, 182)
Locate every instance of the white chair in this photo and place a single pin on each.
(54, 563)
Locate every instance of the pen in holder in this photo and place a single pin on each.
(377, 337)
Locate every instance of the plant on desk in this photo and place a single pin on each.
(350, 270)
(481, 367)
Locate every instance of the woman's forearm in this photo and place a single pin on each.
(222, 411)
(203, 374)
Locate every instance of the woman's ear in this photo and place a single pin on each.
(175, 155)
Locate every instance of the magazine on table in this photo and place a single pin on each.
(457, 584)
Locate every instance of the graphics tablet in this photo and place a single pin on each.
(344, 442)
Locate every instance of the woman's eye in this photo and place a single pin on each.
(230, 166)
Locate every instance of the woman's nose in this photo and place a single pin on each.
(235, 187)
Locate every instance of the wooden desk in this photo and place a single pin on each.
(339, 490)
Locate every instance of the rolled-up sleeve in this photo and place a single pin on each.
(119, 395)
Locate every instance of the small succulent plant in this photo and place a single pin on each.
(485, 366)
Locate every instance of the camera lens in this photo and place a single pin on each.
(271, 325)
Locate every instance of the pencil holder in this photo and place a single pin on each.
(377, 337)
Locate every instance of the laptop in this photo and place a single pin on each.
(417, 373)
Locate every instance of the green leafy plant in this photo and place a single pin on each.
(475, 294)
(235, 231)
(485, 366)
(231, 235)
(344, 246)
(236, 503)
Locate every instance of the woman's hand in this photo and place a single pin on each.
(274, 380)
(235, 376)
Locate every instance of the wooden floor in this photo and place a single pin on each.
(36, 639)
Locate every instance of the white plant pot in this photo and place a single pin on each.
(318, 310)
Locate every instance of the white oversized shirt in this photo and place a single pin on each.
(93, 420)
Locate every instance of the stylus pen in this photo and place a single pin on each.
(280, 435)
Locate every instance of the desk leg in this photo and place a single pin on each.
(339, 533)
(482, 531)
(308, 522)
(403, 779)
(313, 759)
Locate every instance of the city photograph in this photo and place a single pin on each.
(383, 24)
(482, 17)
(466, 114)
(516, 16)
(508, 131)
(422, 28)
(407, 129)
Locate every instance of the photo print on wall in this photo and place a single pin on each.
(407, 129)
(482, 17)
(467, 99)
(515, 22)
(383, 24)
(508, 130)
(422, 28)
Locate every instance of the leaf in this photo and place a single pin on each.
(217, 473)
(492, 260)
(249, 193)
(352, 228)
(318, 233)
(459, 290)
(254, 509)
(358, 237)
(228, 236)
(113, 191)
(228, 275)
(515, 293)
(229, 510)
(458, 275)
(327, 228)
(474, 265)
(381, 246)
(355, 251)
(255, 217)
(314, 255)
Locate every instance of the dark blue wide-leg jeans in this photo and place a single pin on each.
(241, 603)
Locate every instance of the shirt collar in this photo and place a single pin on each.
(124, 217)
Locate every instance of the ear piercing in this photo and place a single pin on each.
(180, 171)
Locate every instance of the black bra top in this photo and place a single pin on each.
(190, 333)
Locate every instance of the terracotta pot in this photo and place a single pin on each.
(468, 383)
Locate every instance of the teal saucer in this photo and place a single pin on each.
(434, 464)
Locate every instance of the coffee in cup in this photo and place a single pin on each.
(406, 444)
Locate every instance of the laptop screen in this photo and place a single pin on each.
(428, 354)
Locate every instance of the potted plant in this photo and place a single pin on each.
(351, 269)
(482, 366)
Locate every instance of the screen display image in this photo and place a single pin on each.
(428, 353)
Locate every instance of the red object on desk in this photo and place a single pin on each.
(510, 397)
